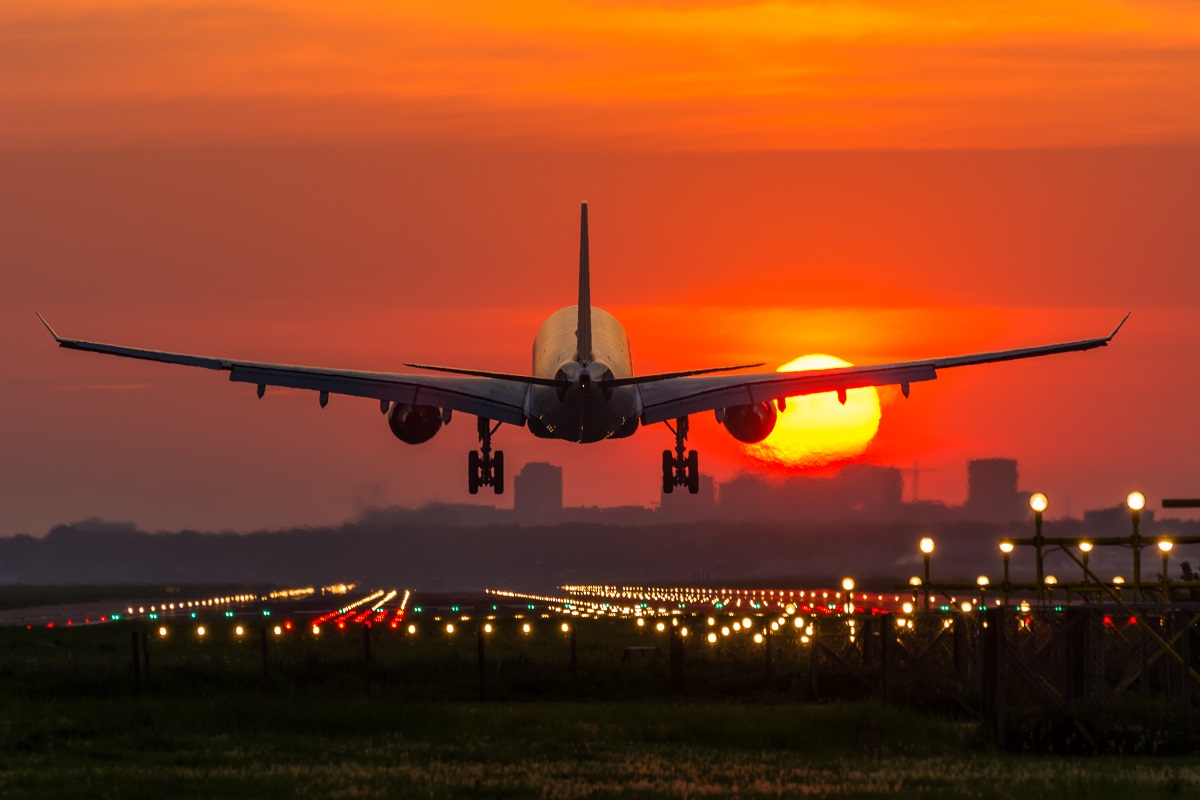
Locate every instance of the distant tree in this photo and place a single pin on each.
(1189, 594)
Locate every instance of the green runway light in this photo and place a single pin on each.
(227, 613)
(193, 615)
(266, 612)
(454, 609)
(154, 616)
(116, 617)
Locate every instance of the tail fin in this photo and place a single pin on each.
(583, 330)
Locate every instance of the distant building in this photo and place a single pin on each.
(992, 494)
(538, 493)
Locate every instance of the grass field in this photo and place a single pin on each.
(205, 725)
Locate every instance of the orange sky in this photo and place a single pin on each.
(368, 185)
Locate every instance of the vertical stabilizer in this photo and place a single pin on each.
(583, 330)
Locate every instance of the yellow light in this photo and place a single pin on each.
(1051, 580)
(525, 627)
(927, 545)
(487, 627)
(641, 623)
(565, 627)
(966, 606)
(848, 584)
(1085, 547)
(1024, 606)
(914, 581)
(982, 580)
(1136, 501)
(1039, 502)
(162, 631)
(1165, 545)
(1006, 547)
(711, 622)
(724, 631)
(660, 627)
(745, 622)
(450, 627)
(907, 608)
(737, 626)
(758, 638)
(1118, 580)
(239, 630)
(278, 630)
(200, 631)
(799, 622)
(774, 626)
(683, 631)
(412, 628)
(712, 638)
(316, 629)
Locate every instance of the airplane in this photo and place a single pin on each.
(582, 388)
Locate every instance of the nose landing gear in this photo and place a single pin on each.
(680, 468)
(483, 467)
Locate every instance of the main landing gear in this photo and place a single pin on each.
(678, 469)
(484, 467)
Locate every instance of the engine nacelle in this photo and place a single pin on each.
(414, 424)
(749, 423)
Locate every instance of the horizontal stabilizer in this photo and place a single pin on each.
(503, 376)
(666, 376)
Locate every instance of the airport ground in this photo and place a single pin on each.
(203, 720)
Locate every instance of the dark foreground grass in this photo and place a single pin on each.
(246, 744)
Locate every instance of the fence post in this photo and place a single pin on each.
(675, 653)
(266, 663)
(137, 664)
(993, 672)
(887, 624)
(367, 656)
(814, 684)
(960, 644)
(767, 653)
(575, 659)
(146, 657)
(480, 657)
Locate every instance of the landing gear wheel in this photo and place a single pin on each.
(680, 468)
(484, 468)
(692, 472)
(473, 472)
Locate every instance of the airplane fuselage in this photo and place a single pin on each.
(584, 411)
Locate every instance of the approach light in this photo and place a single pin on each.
(1118, 580)
(1051, 580)
(1006, 547)
(1085, 547)
(1136, 501)
(449, 627)
(660, 627)
(966, 606)
(712, 638)
(914, 581)
(412, 629)
(927, 545)
(277, 630)
(907, 608)
(565, 627)
(162, 631)
(200, 631)
(526, 629)
(487, 627)
(239, 630)
(1165, 545)
(848, 584)
(1038, 502)
(316, 629)
(982, 580)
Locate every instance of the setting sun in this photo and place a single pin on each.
(816, 429)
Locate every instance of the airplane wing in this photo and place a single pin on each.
(493, 398)
(672, 398)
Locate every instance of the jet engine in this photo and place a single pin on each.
(414, 424)
(749, 423)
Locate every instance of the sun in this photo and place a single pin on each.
(815, 430)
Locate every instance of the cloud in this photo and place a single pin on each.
(105, 387)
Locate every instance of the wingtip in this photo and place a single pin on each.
(1119, 324)
(57, 338)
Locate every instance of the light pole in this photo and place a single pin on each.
(1051, 581)
(1039, 503)
(983, 582)
(1006, 549)
(1084, 549)
(1118, 582)
(848, 587)
(1164, 547)
(915, 583)
(926, 549)
(1136, 501)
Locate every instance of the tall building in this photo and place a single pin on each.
(992, 494)
(538, 492)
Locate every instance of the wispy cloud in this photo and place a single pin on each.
(107, 387)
